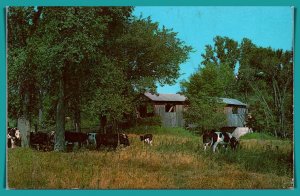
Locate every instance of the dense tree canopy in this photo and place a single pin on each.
(264, 81)
(203, 91)
(69, 60)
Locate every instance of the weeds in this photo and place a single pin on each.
(174, 161)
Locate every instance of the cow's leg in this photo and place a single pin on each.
(214, 146)
(225, 145)
(205, 146)
(12, 143)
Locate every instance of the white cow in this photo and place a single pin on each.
(240, 131)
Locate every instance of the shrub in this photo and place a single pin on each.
(149, 121)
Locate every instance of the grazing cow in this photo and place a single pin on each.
(240, 131)
(76, 137)
(13, 137)
(112, 140)
(223, 138)
(147, 138)
(92, 138)
(42, 141)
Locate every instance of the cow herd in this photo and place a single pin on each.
(46, 141)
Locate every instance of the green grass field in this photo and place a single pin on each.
(175, 161)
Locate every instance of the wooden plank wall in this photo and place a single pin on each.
(175, 119)
(170, 119)
(236, 120)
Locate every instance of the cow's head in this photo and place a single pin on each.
(141, 137)
(234, 143)
(17, 134)
(207, 136)
(124, 139)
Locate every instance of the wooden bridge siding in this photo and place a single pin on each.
(170, 119)
(236, 120)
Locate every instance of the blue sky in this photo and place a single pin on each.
(197, 26)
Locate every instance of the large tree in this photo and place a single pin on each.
(204, 90)
(96, 59)
(214, 79)
(224, 51)
(265, 81)
(23, 93)
(141, 56)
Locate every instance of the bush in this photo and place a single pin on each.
(149, 121)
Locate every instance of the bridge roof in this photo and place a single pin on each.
(182, 98)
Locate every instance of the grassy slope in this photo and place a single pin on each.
(176, 160)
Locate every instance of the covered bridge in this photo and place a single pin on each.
(170, 108)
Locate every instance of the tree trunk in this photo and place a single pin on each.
(103, 121)
(60, 118)
(23, 122)
(40, 115)
(77, 118)
(24, 127)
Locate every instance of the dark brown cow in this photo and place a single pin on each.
(76, 137)
(111, 140)
(42, 141)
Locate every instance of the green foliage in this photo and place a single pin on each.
(159, 130)
(96, 60)
(203, 90)
(224, 51)
(205, 113)
(149, 121)
(150, 54)
(265, 81)
(213, 80)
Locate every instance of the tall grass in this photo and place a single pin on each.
(175, 161)
(261, 136)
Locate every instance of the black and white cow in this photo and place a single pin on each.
(42, 140)
(223, 138)
(76, 137)
(111, 140)
(147, 138)
(214, 138)
(13, 137)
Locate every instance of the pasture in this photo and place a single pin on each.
(175, 161)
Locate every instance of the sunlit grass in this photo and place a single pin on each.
(175, 161)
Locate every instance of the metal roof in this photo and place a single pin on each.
(232, 101)
(178, 97)
(165, 97)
